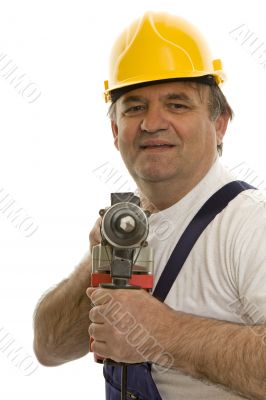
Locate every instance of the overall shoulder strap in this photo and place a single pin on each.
(214, 205)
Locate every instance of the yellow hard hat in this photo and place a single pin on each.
(157, 47)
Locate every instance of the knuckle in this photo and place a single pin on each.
(90, 236)
(91, 329)
(91, 314)
(94, 235)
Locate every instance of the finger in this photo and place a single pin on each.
(96, 315)
(99, 296)
(97, 332)
(89, 291)
(95, 234)
(100, 348)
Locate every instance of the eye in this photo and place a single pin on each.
(134, 109)
(177, 106)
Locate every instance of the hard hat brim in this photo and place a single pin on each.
(113, 95)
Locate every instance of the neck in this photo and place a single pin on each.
(157, 196)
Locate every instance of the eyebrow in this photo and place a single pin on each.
(178, 96)
(132, 99)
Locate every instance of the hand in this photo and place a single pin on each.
(95, 234)
(129, 325)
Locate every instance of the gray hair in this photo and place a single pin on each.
(218, 105)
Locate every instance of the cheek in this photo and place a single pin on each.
(127, 134)
(123, 133)
(122, 143)
(198, 136)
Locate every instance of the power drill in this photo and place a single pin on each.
(123, 260)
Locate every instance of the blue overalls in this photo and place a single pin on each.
(140, 384)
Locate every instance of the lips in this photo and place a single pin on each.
(156, 145)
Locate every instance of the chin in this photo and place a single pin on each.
(158, 172)
(155, 177)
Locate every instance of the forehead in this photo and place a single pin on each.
(190, 91)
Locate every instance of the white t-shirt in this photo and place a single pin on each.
(224, 276)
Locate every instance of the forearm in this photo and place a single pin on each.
(62, 319)
(224, 353)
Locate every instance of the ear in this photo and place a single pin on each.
(115, 133)
(221, 123)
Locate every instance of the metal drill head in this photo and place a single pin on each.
(127, 224)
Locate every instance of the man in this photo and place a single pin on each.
(168, 118)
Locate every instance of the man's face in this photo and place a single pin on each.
(164, 132)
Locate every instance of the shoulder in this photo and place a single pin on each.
(241, 225)
(248, 205)
(243, 219)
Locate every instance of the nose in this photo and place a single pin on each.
(154, 120)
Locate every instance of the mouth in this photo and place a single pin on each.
(157, 146)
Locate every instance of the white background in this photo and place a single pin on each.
(51, 148)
